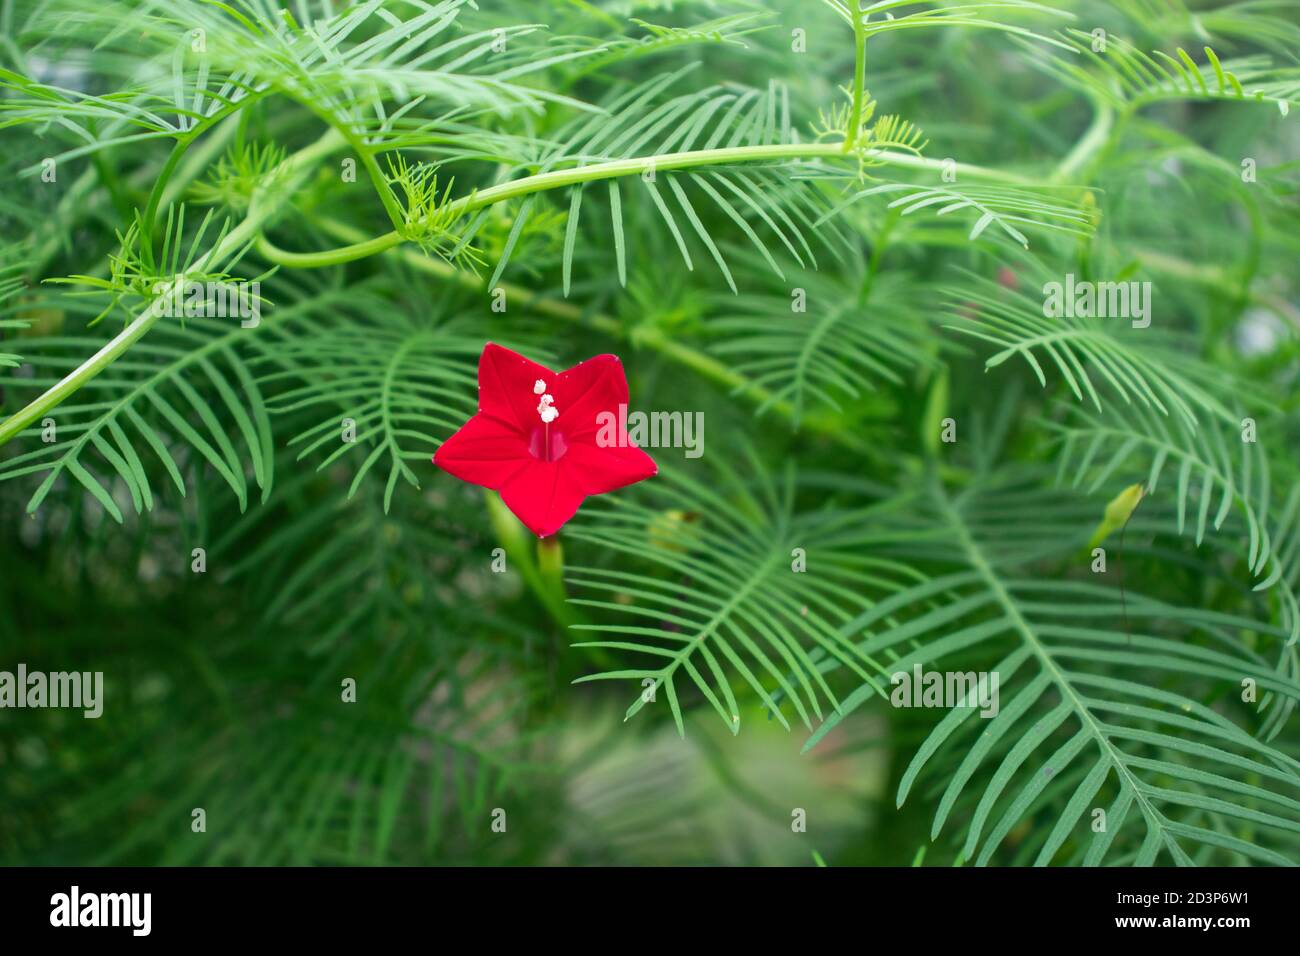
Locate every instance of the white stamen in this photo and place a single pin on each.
(547, 404)
(538, 387)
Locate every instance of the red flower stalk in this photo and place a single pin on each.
(534, 438)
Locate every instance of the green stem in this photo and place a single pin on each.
(639, 164)
(330, 257)
(377, 178)
(1093, 139)
(112, 183)
(260, 210)
(543, 572)
(80, 202)
(653, 338)
(250, 229)
(550, 568)
(624, 167)
(182, 150)
(160, 184)
(859, 77)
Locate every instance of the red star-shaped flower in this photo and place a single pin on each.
(535, 437)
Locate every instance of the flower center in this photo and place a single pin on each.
(547, 442)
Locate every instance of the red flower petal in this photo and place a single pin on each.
(598, 470)
(584, 391)
(543, 496)
(505, 386)
(484, 452)
(506, 446)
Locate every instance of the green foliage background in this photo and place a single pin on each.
(382, 168)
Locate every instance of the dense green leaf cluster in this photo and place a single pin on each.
(829, 228)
